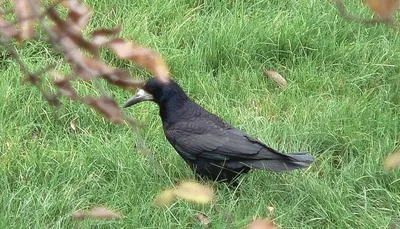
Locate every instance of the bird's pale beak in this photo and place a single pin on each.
(140, 96)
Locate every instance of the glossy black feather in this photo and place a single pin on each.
(214, 149)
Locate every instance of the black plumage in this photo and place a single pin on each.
(213, 149)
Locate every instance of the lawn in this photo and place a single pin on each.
(342, 105)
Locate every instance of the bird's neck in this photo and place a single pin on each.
(173, 108)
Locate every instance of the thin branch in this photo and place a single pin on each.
(13, 52)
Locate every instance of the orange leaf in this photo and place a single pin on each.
(383, 8)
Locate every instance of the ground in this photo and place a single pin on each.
(342, 105)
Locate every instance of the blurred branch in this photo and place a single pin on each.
(65, 35)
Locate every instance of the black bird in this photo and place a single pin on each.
(213, 149)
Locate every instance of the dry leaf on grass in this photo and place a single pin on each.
(204, 220)
(72, 124)
(97, 213)
(188, 191)
(271, 210)
(262, 224)
(194, 192)
(392, 161)
(275, 76)
(165, 199)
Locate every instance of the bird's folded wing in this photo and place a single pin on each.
(205, 139)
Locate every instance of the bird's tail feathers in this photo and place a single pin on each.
(287, 163)
(301, 157)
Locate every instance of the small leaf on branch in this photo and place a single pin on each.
(122, 78)
(52, 99)
(8, 28)
(26, 16)
(107, 107)
(144, 57)
(188, 191)
(64, 85)
(79, 13)
(31, 78)
(67, 29)
(90, 69)
(100, 36)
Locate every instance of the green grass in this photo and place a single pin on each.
(342, 105)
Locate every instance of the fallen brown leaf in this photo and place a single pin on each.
(194, 192)
(204, 219)
(64, 85)
(262, 224)
(72, 124)
(275, 76)
(271, 210)
(188, 191)
(392, 161)
(165, 199)
(97, 213)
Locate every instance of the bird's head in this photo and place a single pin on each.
(157, 91)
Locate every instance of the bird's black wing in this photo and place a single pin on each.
(204, 138)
